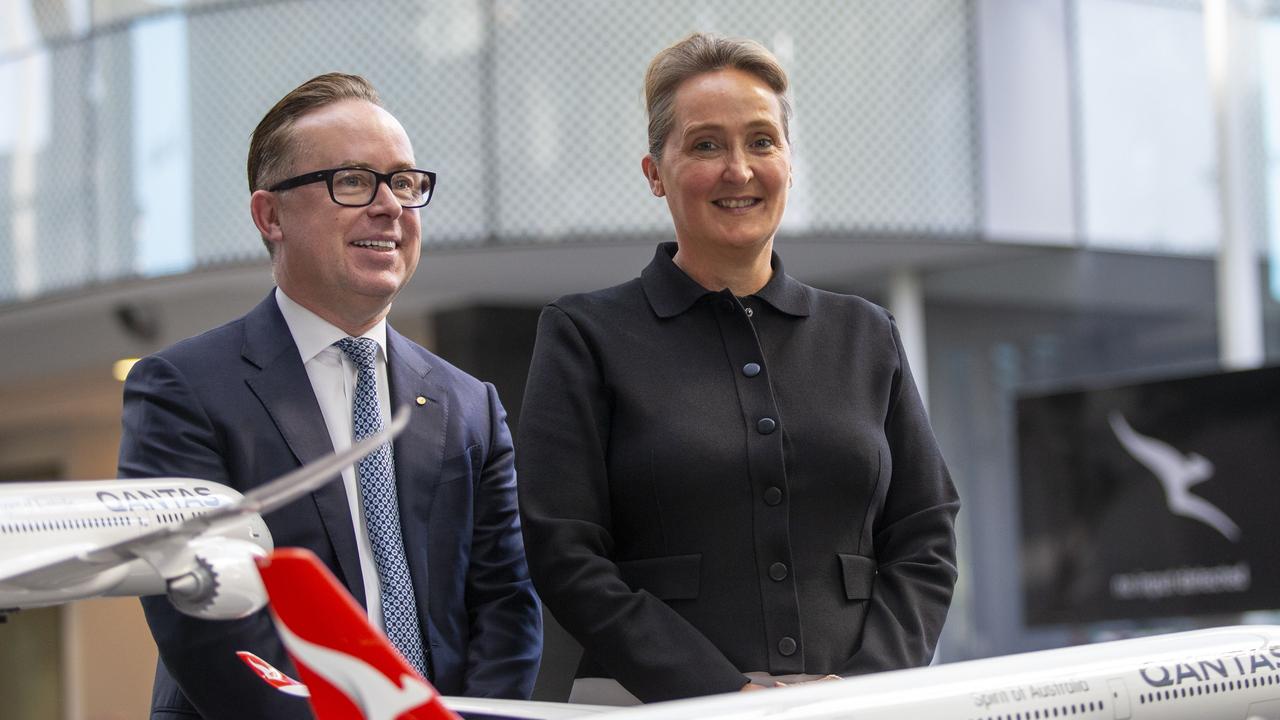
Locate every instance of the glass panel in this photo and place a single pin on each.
(882, 133)
(1269, 33)
(24, 136)
(1146, 126)
(161, 146)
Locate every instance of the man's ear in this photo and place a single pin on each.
(650, 167)
(265, 208)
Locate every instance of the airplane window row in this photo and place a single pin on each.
(73, 524)
(1209, 689)
(1047, 713)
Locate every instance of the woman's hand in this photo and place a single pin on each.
(824, 678)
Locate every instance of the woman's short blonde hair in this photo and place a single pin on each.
(702, 53)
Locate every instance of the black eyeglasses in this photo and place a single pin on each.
(357, 187)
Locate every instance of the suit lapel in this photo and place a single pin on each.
(285, 391)
(419, 451)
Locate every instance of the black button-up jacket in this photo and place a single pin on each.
(712, 485)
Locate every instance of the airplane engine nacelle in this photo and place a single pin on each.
(224, 585)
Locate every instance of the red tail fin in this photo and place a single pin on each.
(351, 669)
(273, 677)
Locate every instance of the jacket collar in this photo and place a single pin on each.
(671, 292)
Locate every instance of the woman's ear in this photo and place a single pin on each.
(650, 167)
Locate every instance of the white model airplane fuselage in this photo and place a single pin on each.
(194, 540)
(1224, 673)
(1230, 673)
(42, 522)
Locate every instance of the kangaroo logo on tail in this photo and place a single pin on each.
(374, 693)
(356, 674)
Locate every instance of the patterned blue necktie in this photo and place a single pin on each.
(381, 509)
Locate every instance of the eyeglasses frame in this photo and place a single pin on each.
(380, 179)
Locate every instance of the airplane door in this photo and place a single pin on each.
(1119, 698)
(1268, 710)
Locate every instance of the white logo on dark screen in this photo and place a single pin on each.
(1177, 472)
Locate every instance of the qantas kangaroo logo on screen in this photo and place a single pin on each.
(1177, 472)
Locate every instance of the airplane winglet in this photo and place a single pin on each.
(356, 674)
(293, 485)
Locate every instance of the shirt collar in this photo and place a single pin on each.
(313, 334)
(671, 292)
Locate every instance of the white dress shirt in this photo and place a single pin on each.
(333, 378)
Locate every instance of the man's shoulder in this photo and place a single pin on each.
(262, 331)
(212, 346)
(442, 372)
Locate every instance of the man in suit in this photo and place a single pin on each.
(424, 533)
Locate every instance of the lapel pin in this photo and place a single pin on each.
(422, 400)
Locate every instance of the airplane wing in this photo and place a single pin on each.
(160, 547)
(496, 709)
(351, 670)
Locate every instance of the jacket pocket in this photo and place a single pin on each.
(463, 466)
(859, 575)
(666, 578)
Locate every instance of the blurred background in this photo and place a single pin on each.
(1056, 198)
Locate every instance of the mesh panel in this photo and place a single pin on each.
(530, 111)
(882, 133)
(424, 60)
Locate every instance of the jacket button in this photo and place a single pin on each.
(772, 496)
(787, 646)
(751, 369)
(766, 426)
(778, 571)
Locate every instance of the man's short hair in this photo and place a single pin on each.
(271, 150)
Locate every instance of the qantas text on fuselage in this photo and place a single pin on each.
(194, 540)
(51, 535)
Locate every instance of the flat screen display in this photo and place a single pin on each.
(1150, 500)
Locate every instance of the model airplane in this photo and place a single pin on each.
(194, 540)
(353, 673)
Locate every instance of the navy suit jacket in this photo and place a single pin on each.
(235, 405)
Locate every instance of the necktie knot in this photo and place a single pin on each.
(361, 350)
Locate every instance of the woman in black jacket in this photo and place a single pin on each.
(727, 478)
